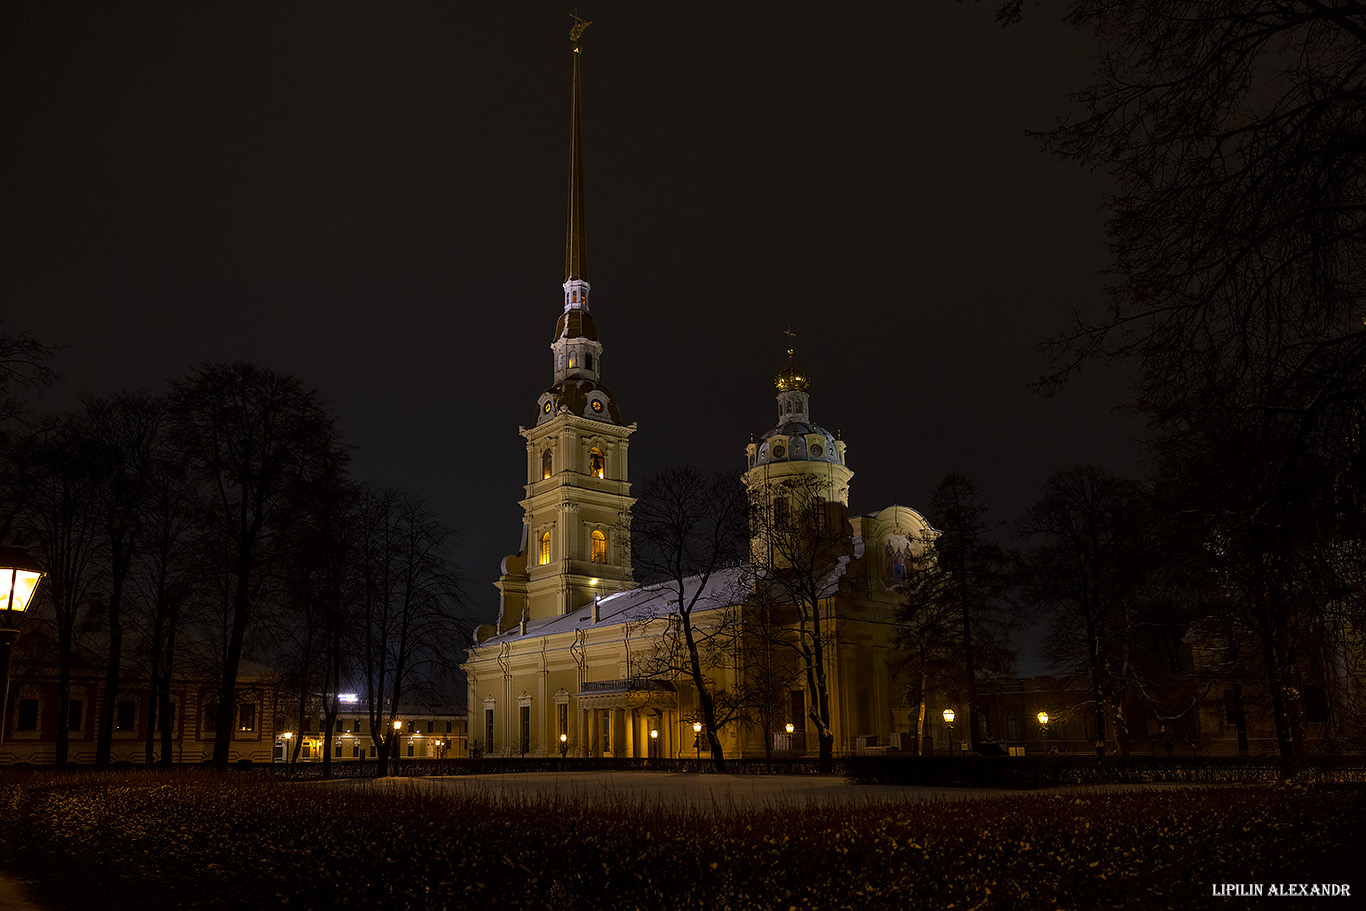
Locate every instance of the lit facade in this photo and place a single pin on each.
(427, 732)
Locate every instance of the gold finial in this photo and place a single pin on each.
(792, 377)
(577, 28)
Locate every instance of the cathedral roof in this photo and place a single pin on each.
(725, 588)
(576, 324)
(578, 396)
(795, 438)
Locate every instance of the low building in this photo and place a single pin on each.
(34, 714)
(426, 732)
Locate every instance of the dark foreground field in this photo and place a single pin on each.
(151, 841)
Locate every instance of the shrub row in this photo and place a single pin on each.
(197, 841)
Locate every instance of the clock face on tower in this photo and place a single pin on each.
(597, 406)
(546, 409)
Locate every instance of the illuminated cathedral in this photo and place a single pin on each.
(559, 672)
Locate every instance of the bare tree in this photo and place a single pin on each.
(1084, 570)
(927, 626)
(1234, 130)
(312, 630)
(64, 522)
(686, 528)
(23, 368)
(167, 574)
(969, 575)
(125, 431)
(408, 591)
(800, 543)
(255, 439)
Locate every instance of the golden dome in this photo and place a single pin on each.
(792, 377)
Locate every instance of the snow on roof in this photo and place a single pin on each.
(724, 588)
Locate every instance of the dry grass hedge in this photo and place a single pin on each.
(153, 841)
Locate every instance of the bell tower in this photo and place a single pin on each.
(577, 493)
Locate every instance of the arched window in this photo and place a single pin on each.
(546, 463)
(588, 360)
(545, 548)
(599, 547)
(595, 462)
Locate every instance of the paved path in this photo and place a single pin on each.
(701, 791)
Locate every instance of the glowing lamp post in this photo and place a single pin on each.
(948, 720)
(398, 728)
(564, 748)
(790, 727)
(19, 577)
(288, 736)
(697, 739)
(654, 742)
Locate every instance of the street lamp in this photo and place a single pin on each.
(654, 742)
(948, 720)
(790, 727)
(697, 738)
(288, 736)
(564, 747)
(19, 576)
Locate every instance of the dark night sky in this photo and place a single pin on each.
(371, 196)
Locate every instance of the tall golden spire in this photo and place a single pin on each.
(576, 238)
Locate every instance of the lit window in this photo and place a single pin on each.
(545, 548)
(595, 462)
(246, 717)
(546, 462)
(599, 547)
(573, 362)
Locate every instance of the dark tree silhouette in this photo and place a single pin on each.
(969, 574)
(1083, 569)
(799, 536)
(255, 439)
(63, 521)
(124, 432)
(1236, 132)
(23, 369)
(685, 528)
(408, 601)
